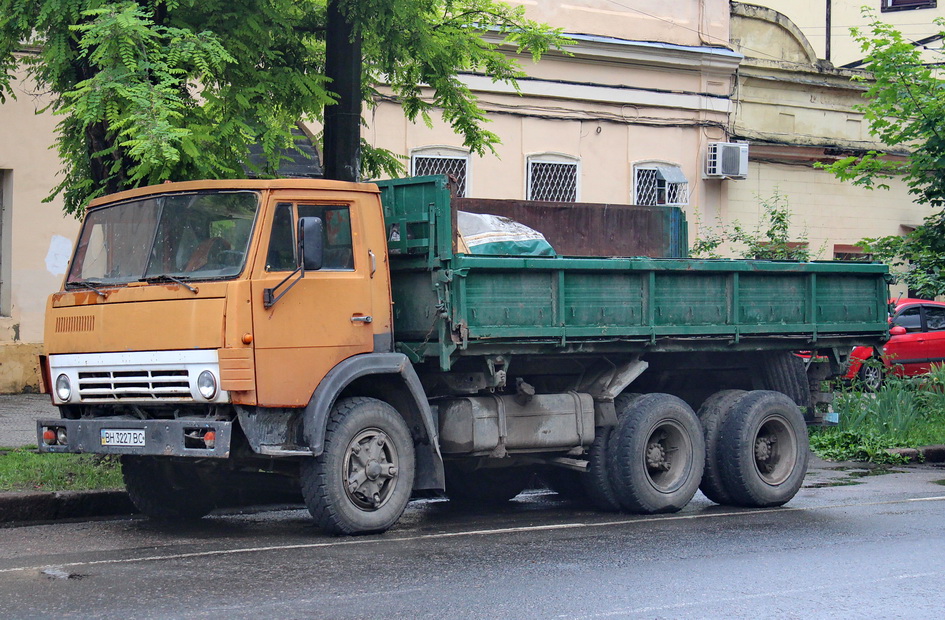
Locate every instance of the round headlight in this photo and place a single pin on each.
(63, 387)
(207, 384)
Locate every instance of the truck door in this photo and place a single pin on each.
(325, 316)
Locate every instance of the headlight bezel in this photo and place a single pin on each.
(63, 387)
(207, 385)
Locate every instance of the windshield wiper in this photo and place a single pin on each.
(87, 285)
(165, 277)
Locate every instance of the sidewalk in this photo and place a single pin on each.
(18, 415)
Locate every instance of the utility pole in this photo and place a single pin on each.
(342, 146)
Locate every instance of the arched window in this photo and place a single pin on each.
(442, 160)
(552, 176)
(659, 183)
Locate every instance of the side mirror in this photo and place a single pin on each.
(311, 242)
(897, 330)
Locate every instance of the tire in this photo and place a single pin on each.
(596, 481)
(784, 372)
(166, 490)
(764, 450)
(367, 443)
(485, 486)
(711, 415)
(657, 455)
(567, 483)
(870, 375)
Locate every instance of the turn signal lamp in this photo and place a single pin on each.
(49, 437)
(210, 439)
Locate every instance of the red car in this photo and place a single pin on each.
(916, 341)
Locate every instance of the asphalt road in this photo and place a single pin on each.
(875, 549)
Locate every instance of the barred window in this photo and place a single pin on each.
(552, 177)
(442, 160)
(903, 5)
(660, 184)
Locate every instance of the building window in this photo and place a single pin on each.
(446, 160)
(659, 184)
(552, 177)
(904, 5)
(843, 251)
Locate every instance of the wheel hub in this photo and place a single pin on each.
(656, 457)
(764, 450)
(370, 469)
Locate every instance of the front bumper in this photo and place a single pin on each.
(180, 437)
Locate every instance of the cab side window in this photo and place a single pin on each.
(281, 256)
(934, 318)
(337, 226)
(910, 318)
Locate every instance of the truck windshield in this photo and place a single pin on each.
(174, 237)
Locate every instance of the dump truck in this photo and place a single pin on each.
(341, 339)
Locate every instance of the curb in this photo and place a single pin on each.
(50, 506)
(925, 454)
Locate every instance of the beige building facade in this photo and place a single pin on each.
(797, 111)
(35, 237)
(826, 23)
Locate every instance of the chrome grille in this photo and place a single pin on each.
(154, 384)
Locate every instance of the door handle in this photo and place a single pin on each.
(362, 319)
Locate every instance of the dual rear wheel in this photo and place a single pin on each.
(743, 448)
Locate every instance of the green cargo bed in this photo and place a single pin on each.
(448, 304)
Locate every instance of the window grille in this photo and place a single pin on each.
(903, 5)
(556, 181)
(661, 185)
(456, 166)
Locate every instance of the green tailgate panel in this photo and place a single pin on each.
(845, 299)
(773, 298)
(603, 300)
(510, 299)
(690, 299)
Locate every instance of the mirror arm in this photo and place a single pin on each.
(269, 294)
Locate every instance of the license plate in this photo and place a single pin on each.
(123, 437)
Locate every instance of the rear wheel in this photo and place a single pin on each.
(782, 371)
(765, 450)
(711, 415)
(165, 489)
(597, 480)
(657, 455)
(361, 482)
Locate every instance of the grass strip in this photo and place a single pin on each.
(25, 469)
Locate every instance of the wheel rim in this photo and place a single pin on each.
(667, 456)
(872, 377)
(775, 450)
(371, 469)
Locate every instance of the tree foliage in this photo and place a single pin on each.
(770, 239)
(905, 107)
(151, 90)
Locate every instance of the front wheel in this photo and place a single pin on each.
(765, 450)
(361, 482)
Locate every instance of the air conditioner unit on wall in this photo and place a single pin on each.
(726, 160)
